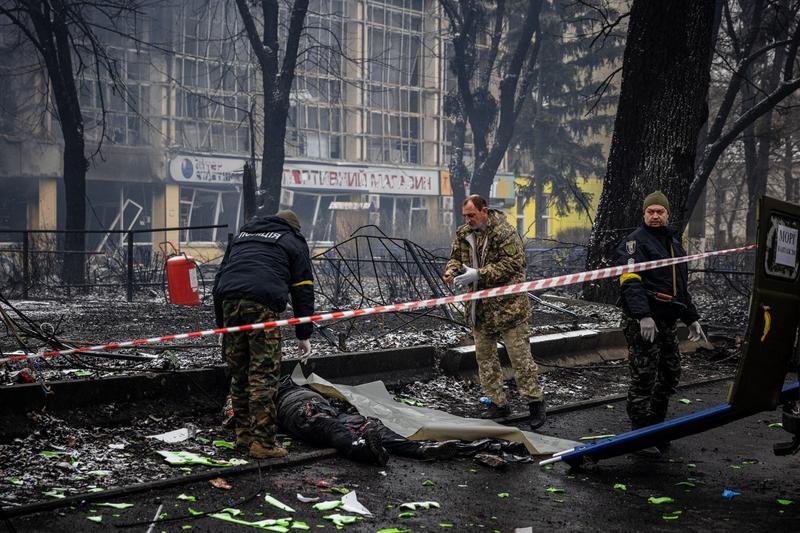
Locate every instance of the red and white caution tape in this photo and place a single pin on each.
(546, 283)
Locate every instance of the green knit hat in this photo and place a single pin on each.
(655, 198)
(289, 216)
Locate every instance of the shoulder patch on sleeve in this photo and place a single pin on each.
(630, 247)
(510, 249)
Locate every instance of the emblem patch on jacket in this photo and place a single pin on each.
(630, 247)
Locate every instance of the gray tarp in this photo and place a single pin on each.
(420, 423)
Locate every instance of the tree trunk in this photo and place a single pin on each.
(75, 166)
(662, 107)
(459, 174)
(789, 181)
(248, 191)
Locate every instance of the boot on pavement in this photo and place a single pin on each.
(496, 411)
(538, 414)
(267, 451)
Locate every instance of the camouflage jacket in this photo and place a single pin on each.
(499, 256)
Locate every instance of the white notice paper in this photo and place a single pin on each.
(786, 246)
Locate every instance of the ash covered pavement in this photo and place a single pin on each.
(682, 489)
(66, 455)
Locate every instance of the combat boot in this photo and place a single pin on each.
(267, 451)
(538, 414)
(244, 440)
(369, 449)
(496, 411)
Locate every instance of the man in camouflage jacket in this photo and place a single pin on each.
(488, 252)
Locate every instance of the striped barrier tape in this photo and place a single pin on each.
(545, 283)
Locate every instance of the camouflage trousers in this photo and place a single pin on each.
(254, 362)
(655, 371)
(490, 372)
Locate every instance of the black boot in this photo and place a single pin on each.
(369, 449)
(538, 414)
(496, 411)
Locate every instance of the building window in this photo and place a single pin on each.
(209, 207)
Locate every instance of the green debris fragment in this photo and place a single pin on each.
(49, 454)
(224, 444)
(776, 425)
(186, 526)
(750, 462)
(446, 525)
(409, 401)
(202, 440)
(691, 465)
(286, 444)
(99, 473)
(95, 489)
(280, 525)
(82, 373)
(548, 467)
(406, 514)
(190, 458)
(54, 493)
(340, 490)
(670, 516)
(413, 506)
(328, 505)
(554, 490)
(186, 470)
(736, 467)
(660, 500)
(162, 516)
(685, 484)
(231, 511)
(277, 503)
(187, 498)
(620, 486)
(782, 501)
(503, 494)
(15, 481)
(115, 505)
(609, 406)
(300, 525)
(392, 530)
(472, 471)
(194, 512)
(596, 437)
(95, 519)
(427, 483)
(685, 401)
(341, 519)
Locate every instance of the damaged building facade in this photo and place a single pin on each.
(366, 140)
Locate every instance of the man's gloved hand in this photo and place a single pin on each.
(648, 328)
(469, 276)
(696, 332)
(305, 349)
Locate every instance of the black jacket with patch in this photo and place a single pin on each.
(638, 290)
(266, 262)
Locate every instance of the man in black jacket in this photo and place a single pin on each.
(265, 263)
(653, 301)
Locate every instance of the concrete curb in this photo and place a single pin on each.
(394, 367)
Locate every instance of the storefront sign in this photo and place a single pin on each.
(206, 170)
(375, 180)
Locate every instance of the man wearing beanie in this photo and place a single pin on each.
(266, 263)
(653, 301)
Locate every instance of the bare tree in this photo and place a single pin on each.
(758, 52)
(277, 78)
(508, 63)
(64, 35)
(662, 108)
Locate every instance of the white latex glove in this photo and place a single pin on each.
(696, 332)
(469, 276)
(648, 328)
(305, 350)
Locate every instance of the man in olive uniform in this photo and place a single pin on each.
(653, 301)
(488, 252)
(265, 263)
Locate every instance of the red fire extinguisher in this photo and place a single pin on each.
(182, 282)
